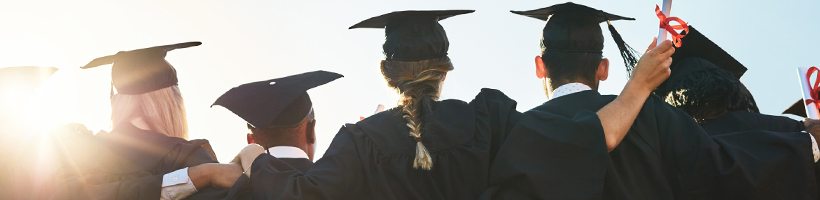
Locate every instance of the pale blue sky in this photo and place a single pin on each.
(247, 41)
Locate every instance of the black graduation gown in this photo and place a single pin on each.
(132, 163)
(665, 155)
(373, 159)
(301, 164)
(741, 120)
(242, 188)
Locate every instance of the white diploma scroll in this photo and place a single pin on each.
(666, 9)
(811, 109)
(379, 109)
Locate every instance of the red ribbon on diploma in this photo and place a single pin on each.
(815, 89)
(671, 28)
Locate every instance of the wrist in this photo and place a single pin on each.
(200, 175)
(636, 89)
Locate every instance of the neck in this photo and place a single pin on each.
(551, 88)
(298, 144)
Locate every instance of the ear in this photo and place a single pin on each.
(310, 132)
(540, 68)
(250, 138)
(603, 70)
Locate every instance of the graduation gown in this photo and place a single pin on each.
(373, 159)
(132, 163)
(665, 155)
(742, 120)
(301, 164)
(242, 188)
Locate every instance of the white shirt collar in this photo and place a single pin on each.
(568, 89)
(287, 152)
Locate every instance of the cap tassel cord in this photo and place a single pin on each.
(629, 55)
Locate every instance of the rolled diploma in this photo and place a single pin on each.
(379, 108)
(811, 109)
(666, 9)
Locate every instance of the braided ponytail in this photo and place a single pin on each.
(417, 82)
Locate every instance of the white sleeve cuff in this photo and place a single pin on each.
(177, 185)
(814, 149)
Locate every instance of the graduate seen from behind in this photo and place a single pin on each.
(425, 148)
(147, 154)
(280, 115)
(665, 155)
(705, 83)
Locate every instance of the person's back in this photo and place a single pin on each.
(664, 155)
(147, 154)
(458, 136)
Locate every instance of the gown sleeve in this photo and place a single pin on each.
(339, 174)
(543, 144)
(142, 185)
(743, 165)
(499, 113)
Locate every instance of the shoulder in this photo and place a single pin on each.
(200, 150)
(383, 132)
(656, 102)
(773, 117)
(786, 123)
(488, 94)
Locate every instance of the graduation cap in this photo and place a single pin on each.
(798, 108)
(28, 77)
(142, 70)
(699, 54)
(281, 102)
(573, 28)
(413, 35)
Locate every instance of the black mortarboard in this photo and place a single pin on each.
(798, 108)
(707, 55)
(413, 35)
(142, 70)
(281, 102)
(574, 28)
(29, 77)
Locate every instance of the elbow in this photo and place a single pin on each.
(611, 144)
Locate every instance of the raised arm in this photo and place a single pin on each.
(652, 69)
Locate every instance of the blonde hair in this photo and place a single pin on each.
(416, 82)
(163, 110)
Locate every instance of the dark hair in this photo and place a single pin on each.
(283, 133)
(418, 82)
(567, 67)
(708, 93)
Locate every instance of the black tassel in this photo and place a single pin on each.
(629, 55)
